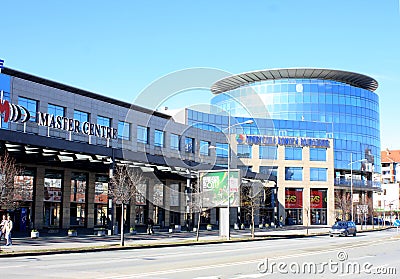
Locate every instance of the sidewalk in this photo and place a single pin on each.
(89, 243)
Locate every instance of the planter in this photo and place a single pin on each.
(260, 226)
(101, 233)
(34, 234)
(242, 227)
(209, 227)
(236, 226)
(72, 233)
(170, 230)
(132, 232)
(178, 228)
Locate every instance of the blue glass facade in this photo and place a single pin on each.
(315, 108)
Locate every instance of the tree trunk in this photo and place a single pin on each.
(252, 221)
(198, 227)
(122, 225)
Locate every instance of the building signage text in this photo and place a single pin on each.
(73, 125)
(273, 140)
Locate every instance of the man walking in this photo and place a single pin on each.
(8, 229)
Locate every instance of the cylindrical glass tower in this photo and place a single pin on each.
(302, 102)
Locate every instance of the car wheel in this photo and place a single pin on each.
(331, 235)
(346, 234)
(354, 234)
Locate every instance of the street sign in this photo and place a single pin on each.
(396, 223)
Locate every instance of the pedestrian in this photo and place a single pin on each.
(2, 226)
(150, 224)
(8, 229)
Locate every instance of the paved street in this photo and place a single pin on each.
(224, 260)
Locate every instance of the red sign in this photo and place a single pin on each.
(293, 198)
(318, 199)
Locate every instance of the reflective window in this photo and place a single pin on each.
(174, 142)
(269, 170)
(142, 134)
(124, 130)
(159, 138)
(268, 152)
(30, 105)
(56, 110)
(317, 154)
(205, 148)
(104, 121)
(294, 173)
(244, 151)
(189, 145)
(221, 149)
(318, 174)
(81, 116)
(293, 153)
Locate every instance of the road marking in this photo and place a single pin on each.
(225, 265)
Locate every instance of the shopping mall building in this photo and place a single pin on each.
(301, 133)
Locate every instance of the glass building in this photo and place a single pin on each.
(307, 103)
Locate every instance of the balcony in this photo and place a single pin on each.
(357, 183)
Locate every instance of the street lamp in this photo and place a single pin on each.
(351, 183)
(229, 164)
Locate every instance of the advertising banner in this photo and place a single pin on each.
(318, 199)
(293, 198)
(214, 188)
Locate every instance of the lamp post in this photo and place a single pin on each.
(229, 164)
(351, 183)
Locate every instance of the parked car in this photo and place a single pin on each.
(343, 228)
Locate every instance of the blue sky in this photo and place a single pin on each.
(118, 48)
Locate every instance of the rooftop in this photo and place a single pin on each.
(235, 81)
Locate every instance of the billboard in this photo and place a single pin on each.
(214, 188)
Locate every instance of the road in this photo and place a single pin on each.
(320, 256)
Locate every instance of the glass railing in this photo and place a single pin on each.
(357, 183)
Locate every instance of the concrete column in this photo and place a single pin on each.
(66, 200)
(38, 221)
(167, 203)
(90, 199)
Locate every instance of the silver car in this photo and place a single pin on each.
(343, 228)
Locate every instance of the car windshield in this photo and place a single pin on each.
(339, 225)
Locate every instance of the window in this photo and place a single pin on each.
(269, 170)
(317, 154)
(30, 105)
(124, 130)
(244, 151)
(268, 152)
(294, 173)
(4, 125)
(205, 148)
(174, 144)
(81, 116)
(56, 110)
(221, 150)
(159, 138)
(318, 174)
(142, 134)
(189, 145)
(293, 153)
(103, 121)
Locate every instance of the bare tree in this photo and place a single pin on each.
(123, 187)
(10, 193)
(253, 197)
(343, 203)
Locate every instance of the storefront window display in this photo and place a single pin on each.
(318, 204)
(293, 206)
(24, 184)
(78, 199)
(53, 181)
(100, 200)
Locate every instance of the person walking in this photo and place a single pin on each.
(150, 224)
(8, 229)
(3, 227)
